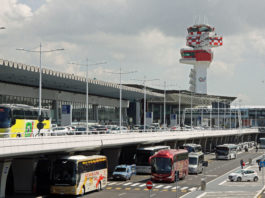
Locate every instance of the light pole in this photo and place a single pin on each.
(179, 106)
(144, 83)
(121, 73)
(40, 78)
(191, 122)
(86, 65)
(165, 85)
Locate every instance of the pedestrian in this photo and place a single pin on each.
(257, 148)
(242, 163)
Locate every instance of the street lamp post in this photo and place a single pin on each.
(164, 126)
(87, 92)
(120, 73)
(144, 83)
(40, 78)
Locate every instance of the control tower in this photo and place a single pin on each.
(201, 38)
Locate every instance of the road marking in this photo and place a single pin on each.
(118, 188)
(109, 188)
(137, 189)
(165, 190)
(127, 188)
(192, 189)
(201, 195)
(152, 195)
(127, 184)
(135, 184)
(222, 182)
(174, 188)
(159, 186)
(112, 183)
(146, 189)
(142, 185)
(166, 187)
(211, 175)
(184, 188)
(155, 189)
(122, 194)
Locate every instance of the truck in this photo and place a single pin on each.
(124, 172)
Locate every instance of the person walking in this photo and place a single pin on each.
(257, 148)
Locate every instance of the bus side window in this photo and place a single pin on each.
(18, 114)
(28, 114)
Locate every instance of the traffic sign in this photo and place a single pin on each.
(262, 163)
(149, 185)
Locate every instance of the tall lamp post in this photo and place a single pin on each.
(87, 65)
(121, 73)
(40, 78)
(144, 83)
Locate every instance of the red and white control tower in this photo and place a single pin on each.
(201, 38)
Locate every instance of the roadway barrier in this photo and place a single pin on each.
(49, 143)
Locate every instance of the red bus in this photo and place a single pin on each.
(166, 163)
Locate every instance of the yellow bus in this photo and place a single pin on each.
(18, 120)
(79, 174)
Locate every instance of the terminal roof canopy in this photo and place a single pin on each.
(172, 97)
(22, 74)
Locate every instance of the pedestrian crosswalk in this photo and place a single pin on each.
(142, 186)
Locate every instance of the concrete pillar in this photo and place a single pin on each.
(113, 156)
(205, 145)
(4, 169)
(95, 112)
(137, 116)
(23, 171)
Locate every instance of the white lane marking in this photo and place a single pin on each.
(127, 184)
(211, 175)
(192, 189)
(201, 195)
(222, 182)
(184, 188)
(167, 187)
(142, 185)
(112, 183)
(135, 184)
(174, 188)
(122, 194)
(159, 186)
(152, 195)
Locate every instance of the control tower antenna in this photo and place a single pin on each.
(201, 38)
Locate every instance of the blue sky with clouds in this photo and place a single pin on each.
(142, 35)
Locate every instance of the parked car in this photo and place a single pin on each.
(244, 175)
(124, 172)
(80, 130)
(58, 131)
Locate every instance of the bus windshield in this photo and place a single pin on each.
(4, 117)
(222, 150)
(193, 160)
(161, 165)
(142, 157)
(64, 172)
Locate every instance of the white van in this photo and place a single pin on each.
(195, 162)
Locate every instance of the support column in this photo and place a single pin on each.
(95, 112)
(171, 144)
(4, 168)
(23, 171)
(205, 145)
(113, 156)
(137, 116)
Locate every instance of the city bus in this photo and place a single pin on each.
(142, 158)
(195, 162)
(262, 143)
(18, 120)
(192, 147)
(166, 164)
(79, 174)
(226, 151)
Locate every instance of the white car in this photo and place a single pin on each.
(244, 175)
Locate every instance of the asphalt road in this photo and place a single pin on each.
(136, 186)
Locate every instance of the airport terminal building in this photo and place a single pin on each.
(19, 84)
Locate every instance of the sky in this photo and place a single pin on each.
(140, 35)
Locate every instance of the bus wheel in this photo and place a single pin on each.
(99, 187)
